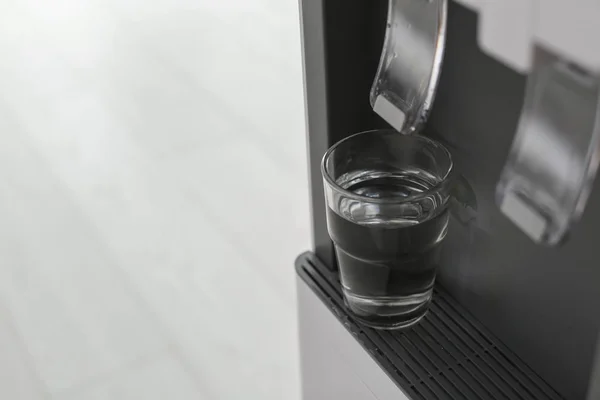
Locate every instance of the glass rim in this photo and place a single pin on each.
(333, 184)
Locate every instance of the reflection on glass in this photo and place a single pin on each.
(387, 196)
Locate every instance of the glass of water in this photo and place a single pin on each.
(387, 214)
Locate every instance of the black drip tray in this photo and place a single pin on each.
(448, 355)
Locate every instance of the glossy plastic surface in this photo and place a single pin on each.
(553, 160)
(410, 65)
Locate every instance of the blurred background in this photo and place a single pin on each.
(153, 197)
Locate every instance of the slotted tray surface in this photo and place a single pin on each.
(448, 355)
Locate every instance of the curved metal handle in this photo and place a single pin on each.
(551, 166)
(411, 61)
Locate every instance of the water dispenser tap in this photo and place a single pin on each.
(546, 181)
(410, 64)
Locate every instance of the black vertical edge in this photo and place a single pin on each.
(317, 121)
(341, 43)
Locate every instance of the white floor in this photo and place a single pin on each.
(153, 197)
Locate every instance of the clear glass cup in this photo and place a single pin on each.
(387, 213)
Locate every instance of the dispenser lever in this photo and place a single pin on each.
(553, 160)
(411, 61)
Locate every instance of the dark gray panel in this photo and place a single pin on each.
(540, 301)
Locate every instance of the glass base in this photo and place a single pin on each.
(389, 312)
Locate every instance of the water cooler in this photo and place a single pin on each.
(513, 91)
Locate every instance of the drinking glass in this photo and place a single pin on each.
(387, 214)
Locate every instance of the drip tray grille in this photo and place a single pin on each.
(448, 355)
